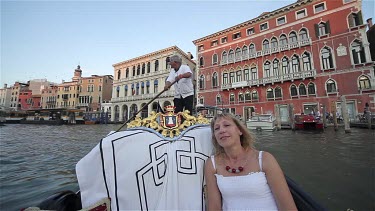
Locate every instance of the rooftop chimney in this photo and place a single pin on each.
(5, 86)
(369, 23)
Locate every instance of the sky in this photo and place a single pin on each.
(48, 39)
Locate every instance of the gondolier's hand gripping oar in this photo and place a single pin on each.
(148, 103)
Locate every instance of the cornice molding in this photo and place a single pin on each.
(264, 16)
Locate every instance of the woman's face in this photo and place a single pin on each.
(226, 132)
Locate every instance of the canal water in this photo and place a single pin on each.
(336, 168)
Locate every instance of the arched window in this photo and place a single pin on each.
(303, 35)
(240, 97)
(148, 67)
(293, 90)
(230, 56)
(326, 58)
(239, 75)
(285, 65)
(267, 69)
(214, 80)
(252, 49)
(156, 85)
(201, 61)
(311, 89)
(127, 72)
(167, 60)
(293, 37)
(231, 98)
(322, 28)
(278, 92)
(247, 96)
(254, 73)
(283, 40)
(331, 86)
(302, 90)
(156, 65)
(254, 95)
(133, 70)
(364, 82)
(138, 69)
(246, 74)
(218, 99)
(275, 67)
(225, 78)
(224, 56)
(118, 74)
(266, 45)
(355, 19)
(306, 61)
(295, 64)
(270, 94)
(214, 59)
(231, 77)
(201, 82)
(238, 54)
(245, 51)
(358, 52)
(274, 43)
(143, 68)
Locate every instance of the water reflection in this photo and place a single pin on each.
(336, 168)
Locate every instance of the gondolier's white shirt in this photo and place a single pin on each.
(183, 87)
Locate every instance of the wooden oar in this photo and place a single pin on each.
(148, 103)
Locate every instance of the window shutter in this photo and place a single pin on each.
(351, 21)
(316, 30)
(328, 28)
(360, 18)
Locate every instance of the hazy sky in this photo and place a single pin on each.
(48, 39)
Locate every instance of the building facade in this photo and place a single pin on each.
(5, 94)
(297, 55)
(138, 80)
(84, 93)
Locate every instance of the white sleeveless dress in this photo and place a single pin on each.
(247, 192)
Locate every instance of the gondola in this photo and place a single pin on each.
(155, 164)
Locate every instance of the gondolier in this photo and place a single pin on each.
(184, 91)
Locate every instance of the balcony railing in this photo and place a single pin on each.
(272, 79)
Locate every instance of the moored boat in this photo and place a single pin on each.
(308, 122)
(261, 122)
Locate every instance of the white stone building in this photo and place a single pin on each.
(137, 81)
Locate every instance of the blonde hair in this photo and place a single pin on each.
(247, 139)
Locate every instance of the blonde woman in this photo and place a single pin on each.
(240, 177)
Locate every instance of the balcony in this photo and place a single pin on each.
(252, 55)
(83, 104)
(271, 80)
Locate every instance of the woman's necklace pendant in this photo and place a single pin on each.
(234, 170)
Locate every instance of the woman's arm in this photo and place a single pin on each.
(213, 194)
(277, 183)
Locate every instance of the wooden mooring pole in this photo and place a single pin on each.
(345, 114)
(277, 115)
(324, 116)
(291, 116)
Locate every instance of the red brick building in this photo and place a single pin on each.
(309, 54)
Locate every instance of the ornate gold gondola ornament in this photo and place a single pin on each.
(169, 124)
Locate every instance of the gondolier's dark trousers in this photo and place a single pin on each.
(181, 103)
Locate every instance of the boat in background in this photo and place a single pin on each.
(308, 122)
(262, 122)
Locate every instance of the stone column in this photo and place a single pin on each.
(113, 113)
(277, 116)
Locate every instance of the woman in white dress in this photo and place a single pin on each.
(238, 176)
